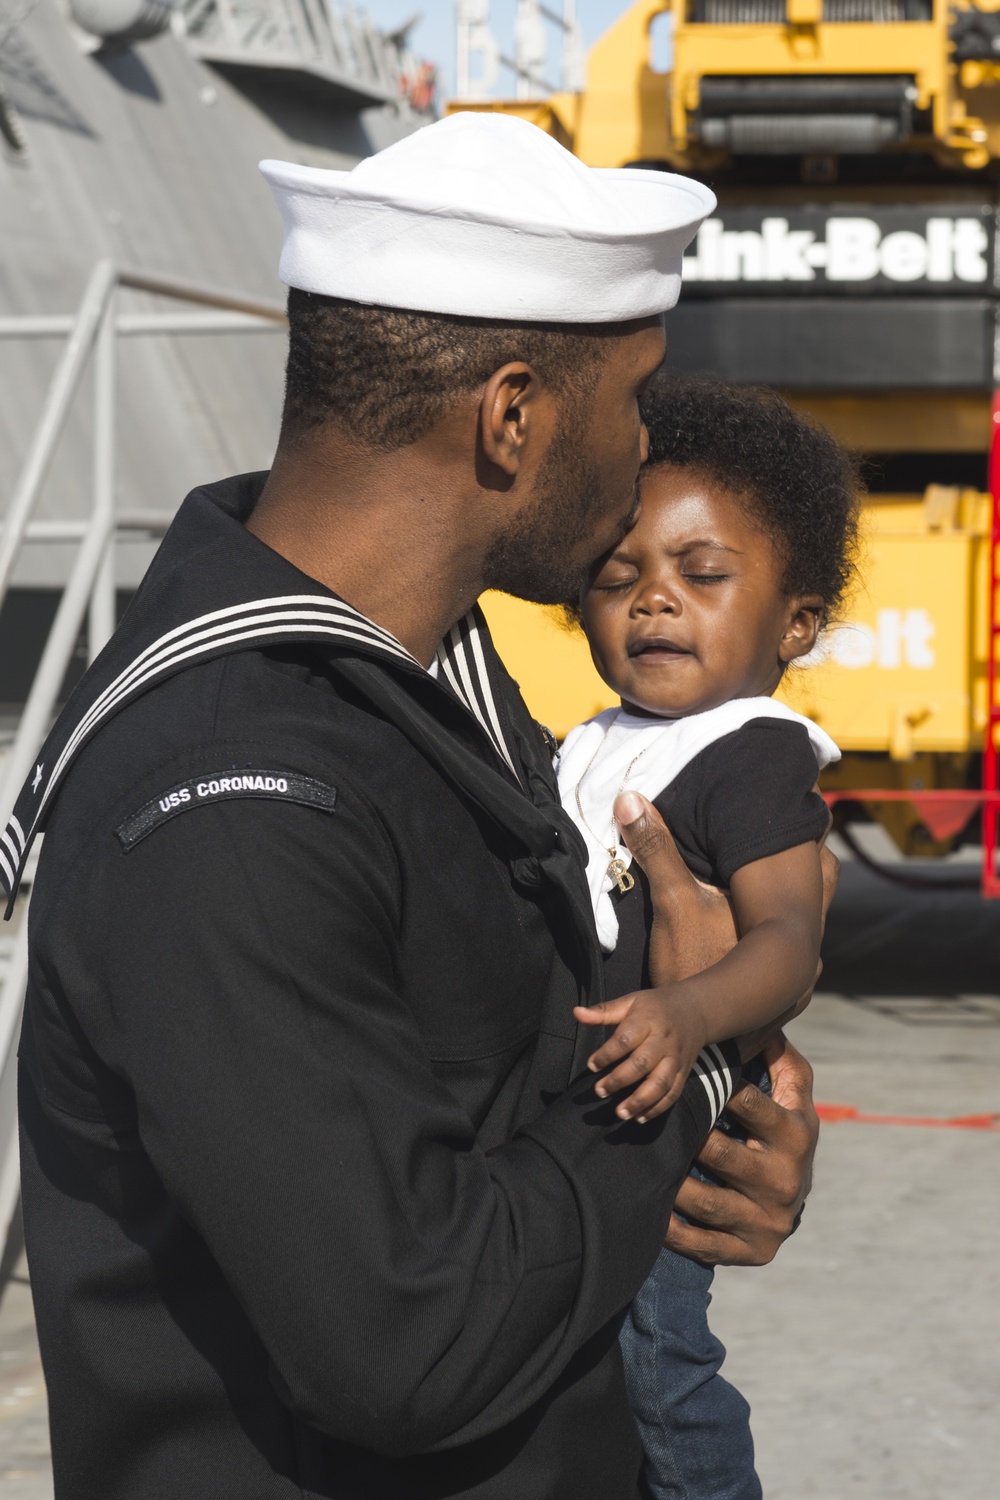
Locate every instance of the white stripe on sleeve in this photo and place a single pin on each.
(715, 1078)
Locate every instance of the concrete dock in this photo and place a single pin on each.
(870, 1349)
(25, 1471)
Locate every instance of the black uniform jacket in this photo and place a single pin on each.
(318, 1197)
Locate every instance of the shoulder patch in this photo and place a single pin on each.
(223, 786)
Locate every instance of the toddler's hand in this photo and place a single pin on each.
(659, 1033)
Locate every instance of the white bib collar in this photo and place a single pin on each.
(618, 751)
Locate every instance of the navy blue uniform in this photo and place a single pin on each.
(318, 1197)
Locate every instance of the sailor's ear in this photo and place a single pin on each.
(505, 415)
(802, 626)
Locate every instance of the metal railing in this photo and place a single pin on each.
(331, 41)
(92, 334)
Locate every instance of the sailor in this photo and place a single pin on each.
(319, 1198)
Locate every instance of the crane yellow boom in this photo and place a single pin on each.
(854, 146)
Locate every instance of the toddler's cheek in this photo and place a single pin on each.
(610, 657)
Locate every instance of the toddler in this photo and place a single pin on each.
(742, 548)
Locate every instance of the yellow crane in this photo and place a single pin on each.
(854, 146)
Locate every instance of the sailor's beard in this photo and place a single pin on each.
(547, 557)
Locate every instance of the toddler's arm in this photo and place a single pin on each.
(778, 904)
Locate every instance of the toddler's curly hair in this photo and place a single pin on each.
(796, 480)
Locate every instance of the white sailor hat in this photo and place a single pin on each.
(488, 216)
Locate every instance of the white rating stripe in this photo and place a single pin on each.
(715, 1078)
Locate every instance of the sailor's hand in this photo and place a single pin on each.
(744, 1219)
(693, 924)
(830, 865)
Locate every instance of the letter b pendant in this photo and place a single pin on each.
(620, 875)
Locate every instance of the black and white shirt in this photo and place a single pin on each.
(734, 784)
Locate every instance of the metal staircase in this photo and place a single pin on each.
(91, 338)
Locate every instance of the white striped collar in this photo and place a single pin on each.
(461, 659)
(462, 664)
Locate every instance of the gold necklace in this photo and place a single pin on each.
(617, 869)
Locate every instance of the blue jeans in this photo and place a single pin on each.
(694, 1426)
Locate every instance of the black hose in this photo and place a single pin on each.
(897, 877)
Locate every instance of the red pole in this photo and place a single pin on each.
(991, 778)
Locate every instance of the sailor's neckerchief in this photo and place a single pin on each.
(236, 573)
